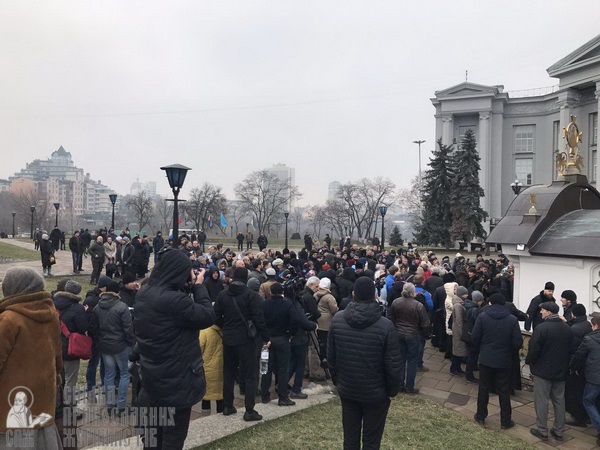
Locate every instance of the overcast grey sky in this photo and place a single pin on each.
(336, 89)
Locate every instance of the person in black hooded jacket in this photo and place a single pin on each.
(239, 349)
(213, 283)
(363, 352)
(167, 325)
(345, 283)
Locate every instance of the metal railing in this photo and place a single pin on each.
(535, 92)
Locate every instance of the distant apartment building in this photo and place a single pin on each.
(149, 188)
(334, 189)
(286, 174)
(57, 180)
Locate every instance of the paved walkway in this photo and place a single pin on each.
(437, 385)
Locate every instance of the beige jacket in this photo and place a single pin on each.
(327, 306)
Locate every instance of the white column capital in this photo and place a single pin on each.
(597, 91)
(447, 119)
(484, 115)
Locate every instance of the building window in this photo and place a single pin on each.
(555, 135)
(594, 128)
(462, 130)
(524, 135)
(594, 164)
(524, 170)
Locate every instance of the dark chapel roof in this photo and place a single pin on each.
(554, 231)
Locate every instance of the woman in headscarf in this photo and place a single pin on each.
(29, 325)
(213, 283)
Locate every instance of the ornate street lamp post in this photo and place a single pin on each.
(516, 186)
(14, 214)
(113, 200)
(382, 211)
(56, 206)
(32, 209)
(176, 175)
(286, 214)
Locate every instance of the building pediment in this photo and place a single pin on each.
(467, 88)
(586, 55)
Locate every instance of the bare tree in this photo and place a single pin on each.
(410, 201)
(335, 214)
(142, 208)
(316, 216)
(297, 216)
(267, 197)
(237, 211)
(363, 199)
(22, 201)
(164, 211)
(207, 201)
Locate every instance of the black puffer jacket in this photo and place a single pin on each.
(432, 283)
(115, 329)
(588, 355)
(303, 324)
(497, 335)
(345, 283)
(580, 328)
(548, 354)
(227, 317)
(534, 312)
(309, 303)
(72, 313)
(167, 325)
(363, 351)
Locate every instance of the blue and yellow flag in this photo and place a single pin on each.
(223, 221)
(210, 222)
(254, 223)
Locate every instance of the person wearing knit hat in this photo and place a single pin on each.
(328, 307)
(253, 284)
(363, 354)
(265, 288)
(568, 299)
(472, 309)
(47, 255)
(497, 335)
(73, 315)
(533, 312)
(129, 288)
(31, 356)
(548, 357)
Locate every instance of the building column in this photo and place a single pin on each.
(597, 92)
(485, 173)
(447, 131)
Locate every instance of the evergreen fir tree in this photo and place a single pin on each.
(395, 238)
(467, 214)
(437, 185)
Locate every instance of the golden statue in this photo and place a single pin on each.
(570, 163)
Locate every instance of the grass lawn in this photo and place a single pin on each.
(10, 253)
(412, 423)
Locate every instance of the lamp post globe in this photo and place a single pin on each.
(113, 200)
(176, 174)
(516, 186)
(32, 209)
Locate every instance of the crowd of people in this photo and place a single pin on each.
(360, 315)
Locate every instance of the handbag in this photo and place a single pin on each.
(52, 260)
(80, 345)
(251, 330)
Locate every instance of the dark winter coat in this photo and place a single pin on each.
(76, 244)
(158, 242)
(409, 317)
(432, 283)
(214, 287)
(549, 349)
(309, 302)
(588, 355)
(303, 324)
(580, 328)
(72, 313)
(345, 283)
(167, 326)
(128, 253)
(497, 336)
(534, 312)
(115, 329)
(139, 255)
(363, 352)
(46, 251)
(262, 242)
(128, 296)
(97, 252)
(227, 317)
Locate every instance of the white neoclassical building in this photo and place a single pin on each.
(518, 134)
